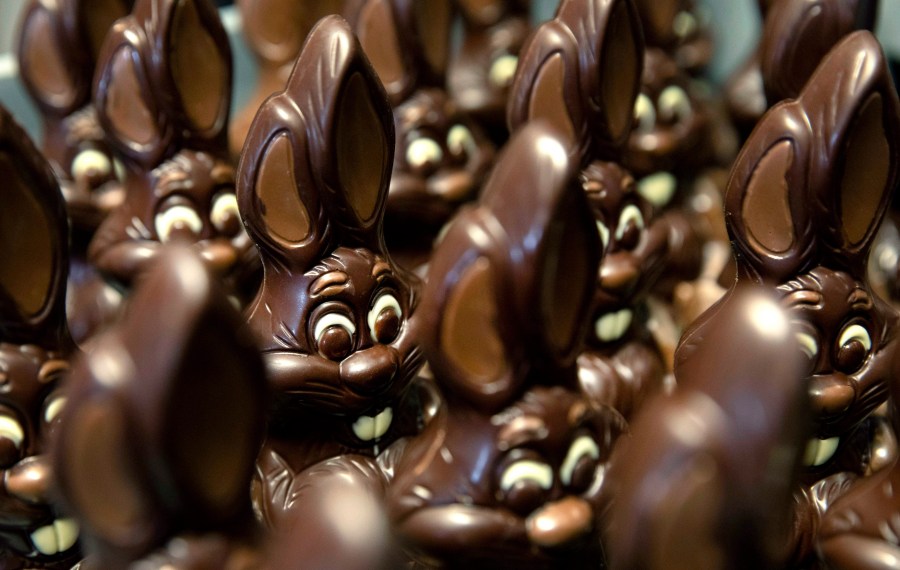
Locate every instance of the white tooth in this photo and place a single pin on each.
(827, 447)
(66, 533)
(658, 188)
(383, 422)
(364, 428)
(605, 327)
(44, 540)
(812, 451)
(623, 321)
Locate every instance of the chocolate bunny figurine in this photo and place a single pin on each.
(510, 470)
(58, 48)
(481, 72)
(705, 479)
(804, 203)
(681, 28)
(334, 315)
(155, 449)
(34, 348)
(581, 71)
(274, 31)
(162, 94)
(441, 156)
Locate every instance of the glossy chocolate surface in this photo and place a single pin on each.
(34, 347)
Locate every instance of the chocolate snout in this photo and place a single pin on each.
(560, 523)
(831, 394)
(29, 480)
(219, 255)
(370, 371)
(619, 275)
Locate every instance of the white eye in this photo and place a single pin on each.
(604, 233)
(503, 70)
(808, 344)
(581, 447)
(384, 302)
(856, 332)
(684, 25)
(423, 151)
(11, 430)
(90, 162)
(527, 470)
(177, 217)
(460, 141)
(674, 104)
(645, 114)
(119, 169)
(631, 213)
(54, 408)
(333, 320)
(658, 188)
(224, 209)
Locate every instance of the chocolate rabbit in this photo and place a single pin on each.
(155, 449)
(334, 315)
(510, 470)
(58, 48)
(441, 155)
(481, 71)
(705, 479)
(581, 71)
(274, 31)
(34, 350)
(162, 94)
(803, 206)
(680, 28)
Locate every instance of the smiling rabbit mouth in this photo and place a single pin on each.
(56, 537)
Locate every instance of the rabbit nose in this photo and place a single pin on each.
(831, 394)
(559, 523)
(219, 255)
(453, 186)
(29, 479)
(618, 274)
(371, 370)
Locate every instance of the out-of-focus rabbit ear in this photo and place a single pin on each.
(34, 243)
(376, 24)
(432, 22)
(45, 63)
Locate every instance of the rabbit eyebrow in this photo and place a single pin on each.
(860, 300)
(808, 298)
(330, 283)
(50, 368)
(222, 174)
(380, 270)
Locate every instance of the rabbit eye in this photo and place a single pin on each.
(384, 319)
(91, 165)
(808, 345)
(334, 336)
(178, 218)
(11, 437)
(604, 234)
(853, 348)
(460, 141)
(53, 408)
(685, 24)
(580, 463)
(644, 114)
(674, 105)
(524, 485)
(224, 214)
(631, 224)
(424, 153)
(119, 169)
(502, 71)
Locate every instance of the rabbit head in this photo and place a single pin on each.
(680, 28)
(517, 451)
(481, 72)
(34, 347)
(441, 155)
(162, 92)
(334, 313)
(59, 44)
(144, 452)
(804, 203)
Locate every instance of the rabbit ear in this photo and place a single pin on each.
(797, 35)
(853, 107)
(511, 282)
(387, 47)
(198, 58)
(431, 22)
(161, 431)
(127, 107)
(273, 28)
(47, 62)
(658, 18)
(34, 235)
(320, 153)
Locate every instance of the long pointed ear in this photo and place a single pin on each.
(34, 239)
(658, 18)
(431, 23)
(852, 105)
(797, 35)
(510, 283)
(161, 431)
(196, 61)
(379, 28)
